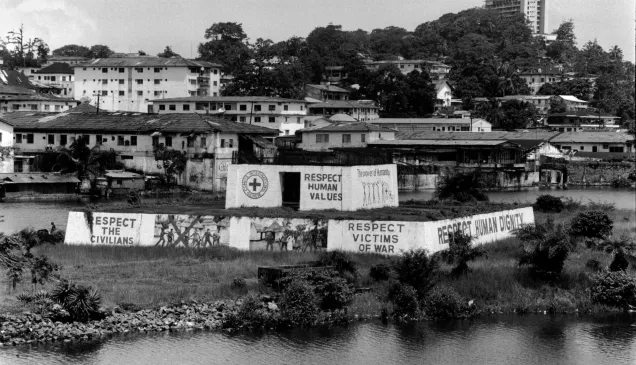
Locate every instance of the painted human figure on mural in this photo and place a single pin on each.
(170, 237)
(186, 239)
(162, 237)
(270, 238)
(206, 238)
(53, 228)
(196, 239)
(216, 238)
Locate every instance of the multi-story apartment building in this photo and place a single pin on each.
(59, 75)
(535, 11)
(286, 115)
(36, 102)
(326, 92)
(538, 76)
(358, 109)
(435, 69)
(127, 84)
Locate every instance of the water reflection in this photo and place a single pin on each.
(531, 339)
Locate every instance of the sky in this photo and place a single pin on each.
(150, 25)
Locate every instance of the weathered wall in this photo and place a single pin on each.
(373, 187)
(597, 172)
(249, 233)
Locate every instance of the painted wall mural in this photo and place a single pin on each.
(191, 231)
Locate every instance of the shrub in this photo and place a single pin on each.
(298, 304)
(417, 269)
(594, 224)
(460, 252)
(593, 265)
(239, 283)
(549, 203)
(545, 248)
(404, 299)
(380, 272)
(340, 260)
(621, 182)
(81, 302)
(444, 302)
(617, 289)
(463, 187)
(251, 314)
(334, 293)
(620, 262)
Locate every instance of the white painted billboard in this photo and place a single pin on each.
(113, 229)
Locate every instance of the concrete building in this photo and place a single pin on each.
(435, 69)
(36, 102)
(538, 76)
(444, 94)
(598, 143)
(326, 92)
(59, 75)
(581, 120)
(334, 74)
(405, 125)
(285, 115)
(128, 84)
(535, 11)
(342, 135)
(360, 110)
(70, 60)
(309, 187)
(209, 143)
(19, 185)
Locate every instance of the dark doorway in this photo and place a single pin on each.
(291, 189)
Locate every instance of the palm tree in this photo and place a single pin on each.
(505, 74)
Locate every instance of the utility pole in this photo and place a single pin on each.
(98, 95)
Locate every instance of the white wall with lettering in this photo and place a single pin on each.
(373, 187)
(114, 229)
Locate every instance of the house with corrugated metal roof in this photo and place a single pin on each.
(360, 110)
(208, 142)
(21, 185)
(326, 92)
(342, 134)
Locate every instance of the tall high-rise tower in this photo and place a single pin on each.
(536, 11)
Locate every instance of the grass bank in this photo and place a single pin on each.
(155, 276)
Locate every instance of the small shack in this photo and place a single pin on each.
(123, 181)
(26, 184)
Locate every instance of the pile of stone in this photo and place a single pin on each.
(31, 328)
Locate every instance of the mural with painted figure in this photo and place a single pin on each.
(191, 231)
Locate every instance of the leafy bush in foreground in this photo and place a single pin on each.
(404, 299)
(619, 263)
(444, 302)
(621, 182)
(549, 203)
(340, 260)
(460, 251)
(545, 249)
(617, 289)
(81, 302)
(463, 187)
(417, 269)
(593, 224)
(380, 272)
(298, 304)
(251, 314)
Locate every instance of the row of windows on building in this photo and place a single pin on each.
(611, 149)
(241, 107)
(140, 81)
(47, 107)
(29, 138)
(346, 138)
(141, 69)
(54, 78)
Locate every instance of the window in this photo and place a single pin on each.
(98, 139)
(121, 93)
(186, 107)
(63, 140)
(139, 81)
(155, 141)
(363, 138)
(29, 138)
(172, 107)
(104, 92)
(168, 141)
(193, 81)
(286, 132)
(120, 182)
(594, 149)
(582, 148)
(162, 107)
(120, 140)
(242, 119)
(611, 149)
(157, 81)
(231, 143)
(104, 82)
(16, 107)
(51, 139)
(272, 119)
(272, 108)
(257, 108)
(214, 83)
(203, 142)
(18, 138)
(257, 119)
(157, 93)
(104, 70)
(140, 93)
(34, 107)
(605, 146)
(63, 78)
(157, 69)
(121, 81)
(121, 70)
(222, 143)
(133, 140)
(243, 107)
(227, 106)
(285, 107)
(298, 120)
(190, 141)
(322, 138)
(346, 138)
(216, 72)
(86, 138)
(58, 108)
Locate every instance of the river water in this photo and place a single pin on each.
(509, 339)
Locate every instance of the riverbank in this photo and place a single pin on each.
(140, 281)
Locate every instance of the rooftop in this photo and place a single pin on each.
(572, 98)
(343, 104)
(494, 135)
(145, 62)
(56, 68)
(37, 178)
(592, 137)
(224, 99)
(583, 114)
(82, 108)
(121, 174)
(347, 127)
(421, 121)
(444, 143)
(137, 123)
